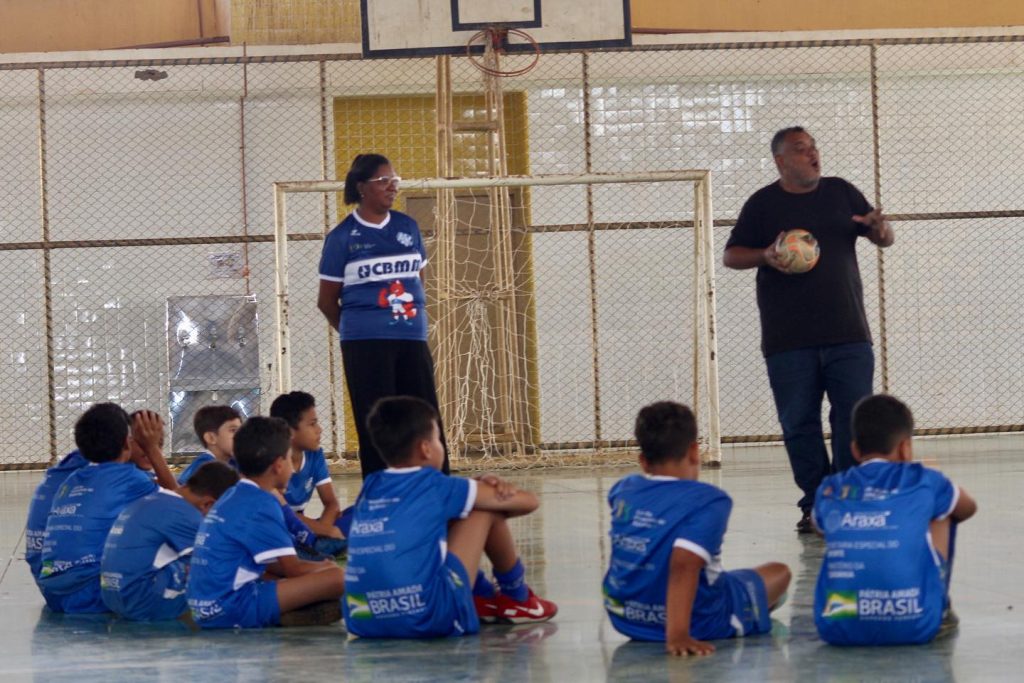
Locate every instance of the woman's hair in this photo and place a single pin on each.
(364, 166)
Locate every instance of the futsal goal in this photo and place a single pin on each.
(558, 305)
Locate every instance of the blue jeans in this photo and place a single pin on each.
(800, 379)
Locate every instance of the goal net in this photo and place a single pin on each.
(558, 307)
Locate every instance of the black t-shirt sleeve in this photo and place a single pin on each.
(859, 204)
(749, 231)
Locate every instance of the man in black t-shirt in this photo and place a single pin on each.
(814, 333)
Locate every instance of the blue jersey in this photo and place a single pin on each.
(652, 515)
(379, 267)
(881, 582)
(302, 533)
(396, 582)
(39, 508)
(312, 473)
(196, 463)
(148, 535)
(242, 532)
(83, 511)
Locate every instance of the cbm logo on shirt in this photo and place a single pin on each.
(394, 267)
(841, 605)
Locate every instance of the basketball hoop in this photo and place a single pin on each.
(494, 40)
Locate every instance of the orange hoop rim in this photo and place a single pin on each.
(494, 34)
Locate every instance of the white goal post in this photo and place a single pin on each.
(496, 343)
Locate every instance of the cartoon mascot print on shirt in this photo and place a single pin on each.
(399, 301)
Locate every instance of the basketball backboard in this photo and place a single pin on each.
(407, 28)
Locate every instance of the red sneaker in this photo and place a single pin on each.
(531, 610)
(487, 608)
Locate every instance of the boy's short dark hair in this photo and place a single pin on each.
(396, 423)
(212, 479)
(101, 432)
(210, 419)
(665, 430)
(879, 423)
(259, 443)
(290, 407)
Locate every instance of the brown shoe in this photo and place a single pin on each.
(317, 614)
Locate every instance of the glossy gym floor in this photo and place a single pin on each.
(565, 550)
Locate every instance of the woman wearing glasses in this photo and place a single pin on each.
(372, 293)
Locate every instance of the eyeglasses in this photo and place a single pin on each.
(386, 180)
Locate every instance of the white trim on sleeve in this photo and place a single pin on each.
(952, 506)
(267, 556)
(693, 548)
(322, 482)
(331, 278)
(470, 499)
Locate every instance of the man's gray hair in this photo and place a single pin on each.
(780, 137)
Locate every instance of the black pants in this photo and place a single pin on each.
(376, 368)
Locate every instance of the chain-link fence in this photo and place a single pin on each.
(124, 184)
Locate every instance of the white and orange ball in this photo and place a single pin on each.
(799, 251)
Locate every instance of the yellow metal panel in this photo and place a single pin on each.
(59, 25)
(402, 128)
(811, 15)
(295, 22)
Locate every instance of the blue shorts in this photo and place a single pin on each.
(750, 614)
(86, 600)
(159, 597)
(254, 605)
(459, 589)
